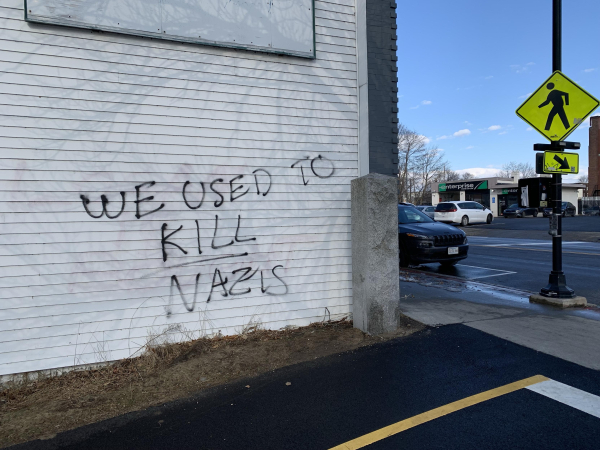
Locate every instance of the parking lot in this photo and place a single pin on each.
(451, 387)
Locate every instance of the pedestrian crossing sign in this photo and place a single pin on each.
(557, 107)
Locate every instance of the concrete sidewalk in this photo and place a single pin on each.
(572, 335)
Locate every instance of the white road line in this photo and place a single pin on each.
(509, 242)
(514, 244)
(501, 245)
(484, 268)
(487, 276)
(576, 398)
(550, 243)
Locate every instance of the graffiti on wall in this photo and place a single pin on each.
(212, 244)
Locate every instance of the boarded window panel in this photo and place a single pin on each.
(108, 14)
(99, 114)
(285, 26)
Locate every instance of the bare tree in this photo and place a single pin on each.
(583, 179)
(467, 176)
(419, 166)
(523, 170)
(428, 165)
(446, 174)
(411, 146)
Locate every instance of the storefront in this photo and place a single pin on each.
(495, 193)
(469, 190)
(508, 197)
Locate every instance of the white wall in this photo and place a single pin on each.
(91, 114)
(362, 73)
(494, 203)
(571, 195)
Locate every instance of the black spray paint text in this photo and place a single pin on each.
(194, 195)
(225, 190)
(223, 285)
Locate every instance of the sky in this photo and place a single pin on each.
(465, 66)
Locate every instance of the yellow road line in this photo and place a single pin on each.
(403, 425)
(535, 249)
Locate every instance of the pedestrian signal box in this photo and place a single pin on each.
(557, 107)
(534, 192)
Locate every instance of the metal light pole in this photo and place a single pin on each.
(557, 282)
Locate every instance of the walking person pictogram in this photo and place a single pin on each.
(558, 106)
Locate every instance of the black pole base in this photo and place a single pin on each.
(557, 287)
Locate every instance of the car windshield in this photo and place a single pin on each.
(412, 215)
(564, 204)
(515, 206)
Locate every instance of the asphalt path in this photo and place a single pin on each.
(525, 264)
(333, 400)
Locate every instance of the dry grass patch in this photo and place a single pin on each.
(166, 372)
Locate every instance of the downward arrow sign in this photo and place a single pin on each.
(563, 162)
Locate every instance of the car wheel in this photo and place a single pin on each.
(535, 213)
(489, 218)
(448, 264)
(402, 257)
(464, 221)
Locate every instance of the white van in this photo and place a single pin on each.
(463, 213)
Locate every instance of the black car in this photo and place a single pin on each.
(567, 209)
(423, 240)
(516, 211)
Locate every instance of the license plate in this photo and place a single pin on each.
(453, 250)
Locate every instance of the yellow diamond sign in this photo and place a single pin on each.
(557, 107)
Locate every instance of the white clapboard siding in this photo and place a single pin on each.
(22, 103)
(83, 114)
(99, 346)
(138, 330)
(31, 148)
(92, 114)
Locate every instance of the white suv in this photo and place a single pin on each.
(463, 213)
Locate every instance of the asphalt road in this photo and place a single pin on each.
(525, 264)
(570, 224)
(333, 400)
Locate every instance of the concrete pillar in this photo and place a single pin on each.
(375, 272)
(462, 196)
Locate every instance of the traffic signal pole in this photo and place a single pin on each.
(556, 35)
(557, 282)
